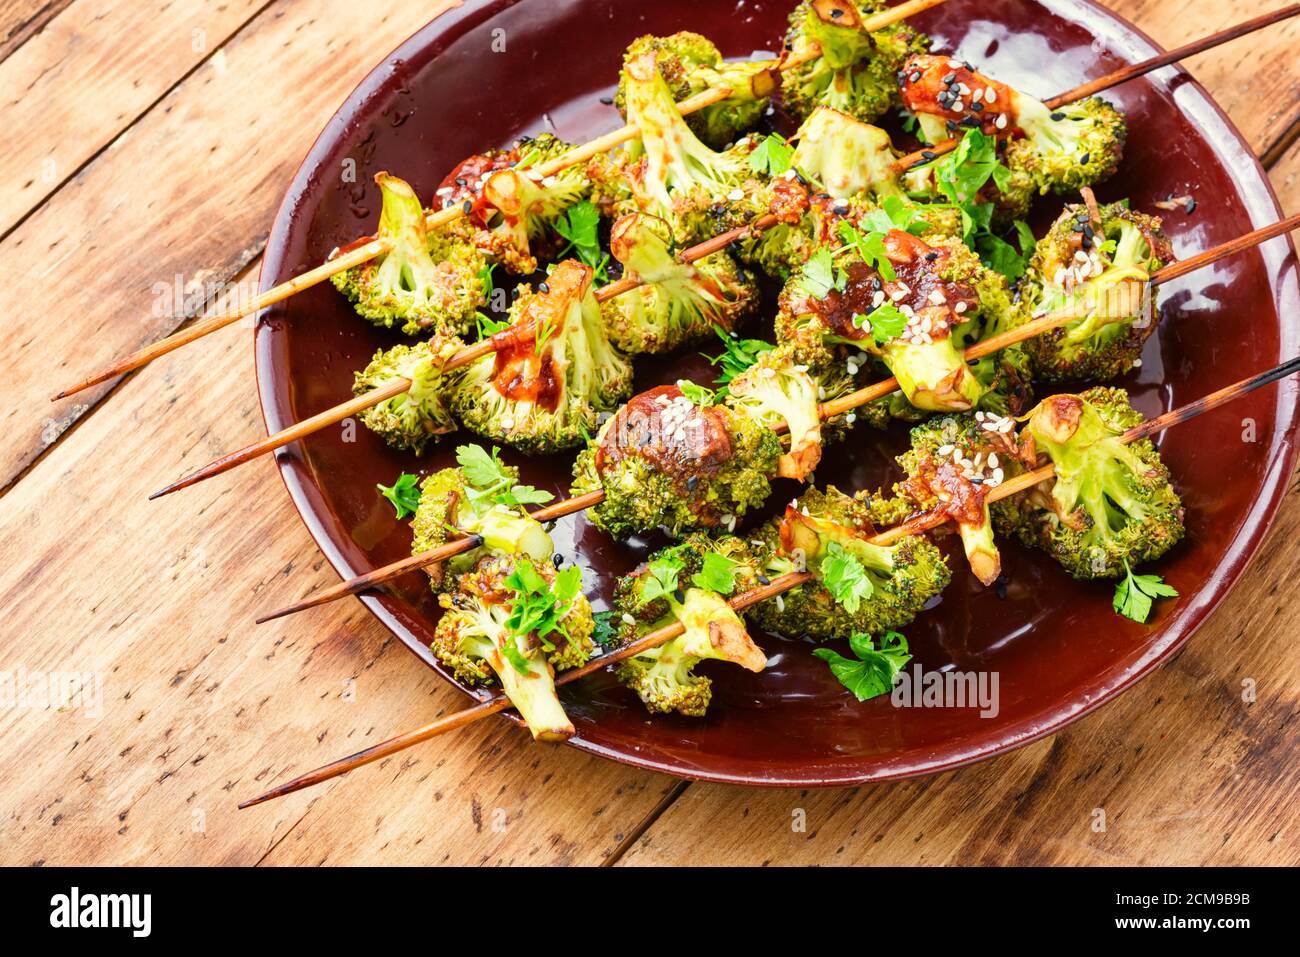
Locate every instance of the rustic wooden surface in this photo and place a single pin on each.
(148, 139)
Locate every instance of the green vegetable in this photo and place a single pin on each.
(772, 155)
(872, 673)
(845, 577)
(404, 494)
(1134, 594)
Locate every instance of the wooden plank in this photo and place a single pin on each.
(201, 708)
(190, 191)
(1255, 79)
(20, 20)
(77, 84)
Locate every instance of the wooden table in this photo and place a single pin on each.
(147, 140)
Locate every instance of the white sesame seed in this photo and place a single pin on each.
(628, 619)
(1001, 121)
(736, 195)
(445, 191)
(944, 451)
(937, 297)
(997, 476)
(1137, 363)
(990, 94)
(958, 106)
(897, 295)
(780, 603)
(977, 96)
(959, 308)
(993, 460)
(877, 299)
(963, 89)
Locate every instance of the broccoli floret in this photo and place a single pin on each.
(553, 371)
(675, 586)
(426, 281)
(1079, 144)
(896, 581)
(1101, 272)
(451, 505)
(846, 157)
(519, 208)
(678, 303)
(481, 636)
(411, 418)
(910, 322)
(1109, 503)
(855, 71)
(666, 171)
(953, 463)
(778, 390)
(664, 461)
(691, 64)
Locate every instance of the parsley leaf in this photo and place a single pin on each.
(845, 577)
(961, 174)
(718, 574)
(871, 247)
(1000, 256)
(660, 580)
(700, 395)
(872, 674)
(1133, 595)
(818, 276)
(772, 156)
(488, 326)
(886, 322)
(490, 483)
(738, 355)
(607, 628)
(539, 606)
(894, 213)
(579, 226)
(404, 494)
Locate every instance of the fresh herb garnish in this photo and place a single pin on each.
(579, 226)
(872, 674)
(871, 247)
(772, 156)
(819, 275)
(886, 320)
(606, 630)
(1134, 595)
(488, 326)
(718, 574)
(700, 395)
(894, 213)
(485, 277)
(538, 606)
(404, 494)
(845, 577)
(737, 356)
(660, 580)
(490, 482)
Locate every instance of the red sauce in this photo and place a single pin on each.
(465, 179)
(933, 85)
(789, 200)
(521, 374)
(915, 279)
(695, 444)
(959, 498)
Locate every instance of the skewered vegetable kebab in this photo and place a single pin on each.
(890, 647)
(597, 495)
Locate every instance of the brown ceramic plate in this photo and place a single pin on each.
(1057, 647)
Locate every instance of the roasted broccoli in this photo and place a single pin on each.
(481, 497)
(859, 587)
(686, 583)
(664, 461)
(678, 303)
(778, 390)
(553, 371)
(854, 71)
(516, 621)
(1100, 271)
(426, 281)
(666, 171)
(1057, 150)
(953, 462)
(1109, 503)
(410, 419)
(691, 64)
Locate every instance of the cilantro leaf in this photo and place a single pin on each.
(488, 326)
(772, 156)
(1134, 595)
(718, 574)
(895, 213)
(818, 276)
(538, 606)
(845, 577)
(738, 355)
(404, 494)
(525, 495)
(872, 674)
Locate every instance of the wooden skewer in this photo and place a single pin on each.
(1122, 75)
(826, 410)
(434, 220)
(500, 702)
(922, 523)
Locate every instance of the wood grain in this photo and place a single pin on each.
(189, 192)
(79, 78)
(202, 709)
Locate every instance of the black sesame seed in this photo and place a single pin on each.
(1084, 158)
(542, 287)
(928, 154)
(680, 596)
(1087, 230)
(931, 256)
(460, 181)
(1077, 228)
(607, 100)
(476, 540)
(1083, 216)
(467, 207)
(557, 559)
(764, 580)
(1058, 116)
(836, 14)
(915, 77)
(967, 65)
(949, 77)
(1190, 206)
(977, 107)
(692, 482)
